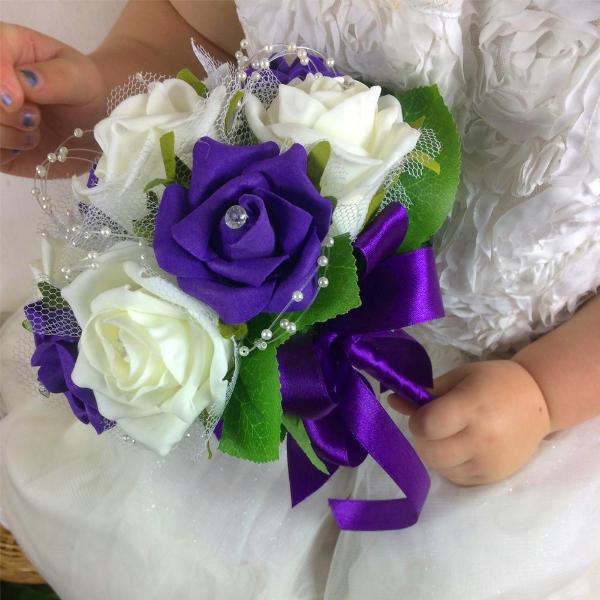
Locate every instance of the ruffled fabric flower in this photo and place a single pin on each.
(253, 265)
(152, 355)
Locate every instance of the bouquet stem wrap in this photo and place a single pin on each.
(322, 380)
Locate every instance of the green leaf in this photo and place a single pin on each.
(155, 183)
(252, 418)
(318, 158)
(232, 109)
(144, 227)
(199, 87)
(341, 296)
(295, 427)
(375, 203)
(51, 297)
(432, 194)
(167, 149)
(183, 173)
(26, 324)
(233, 331)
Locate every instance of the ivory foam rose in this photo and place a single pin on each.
(365, 129)
(152, 355)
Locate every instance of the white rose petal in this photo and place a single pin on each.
(366, 131)
(153, 355)
(130, 141)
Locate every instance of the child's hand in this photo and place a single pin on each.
(47, 89)
(486, 422)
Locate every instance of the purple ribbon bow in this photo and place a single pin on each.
(322, 383)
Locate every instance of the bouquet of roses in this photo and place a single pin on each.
(245, 253)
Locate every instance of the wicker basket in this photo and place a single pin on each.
(14, 565)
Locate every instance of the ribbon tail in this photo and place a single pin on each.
(378, 434)
(304, 478)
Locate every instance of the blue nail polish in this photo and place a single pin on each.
(28, 120)
(6, 99)
(30, 77)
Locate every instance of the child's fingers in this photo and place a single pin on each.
(20, 45)
(27, 118)
(8, 155)
(446, 453)
(440, 418)
(59, 81)
(402, 405)
(15, 139)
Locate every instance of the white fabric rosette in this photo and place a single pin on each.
(367, 134)
(152, 355)
(130, 142)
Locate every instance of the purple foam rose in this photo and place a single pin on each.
(285, 71)
(55, 355)
(244, 267)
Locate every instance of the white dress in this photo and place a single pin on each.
(521, 251)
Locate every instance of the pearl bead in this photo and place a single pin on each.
(264, 63)
(291, 328)
(318, 75)
(301, 53)
(35, 191)
(92, 255)
(268, 48)
(40, 170)
(330, 62)
(284, 323)
(51, 157)
(329, 242)
(78, 132)
(239, 55)
(304, 61)
(266, 334)
(297, 296)
(323, 282)
(291, 47)
(243, 351)
(105, 232)
(242, 75)
(62, 158)
(63, 150)
(255, 76)
(261, 345)
(44, 234)
(244, 43)
(255, 64)
(46, 207)
(322, 261)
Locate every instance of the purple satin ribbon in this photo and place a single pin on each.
(321, 380)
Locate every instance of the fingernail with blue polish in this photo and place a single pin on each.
(28, 120)
(30, 77)
(6, 99)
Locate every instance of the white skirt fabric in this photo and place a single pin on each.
(104, 520)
